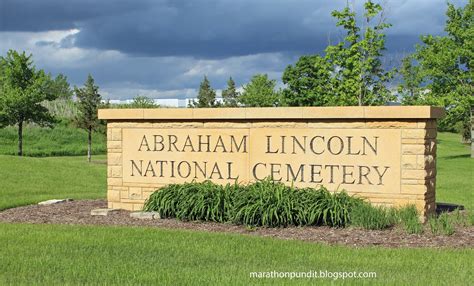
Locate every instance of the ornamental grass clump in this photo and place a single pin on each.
(373, 217)
(192, 201)
(321, 207)
(263, 203)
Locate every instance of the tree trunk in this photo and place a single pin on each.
(20, 138)
(89, 144)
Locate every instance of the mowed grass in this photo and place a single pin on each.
(26, 180)
(455, 177)
(80, 255)
(62, 140)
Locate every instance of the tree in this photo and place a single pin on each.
(61, 88)
(22, 90)
(307, 82)
(230, 95)
(141, 101)
(88, 101)
(411, 88)
(260, 92)
(206, 96)
(443, 65)
(350, 72)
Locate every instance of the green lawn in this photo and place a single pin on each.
(59, 255)
(78, 255)
(29, 180)
(455, 178)
(62, 140)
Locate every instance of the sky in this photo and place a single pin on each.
(163, 48)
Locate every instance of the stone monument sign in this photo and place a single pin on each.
(384, 154)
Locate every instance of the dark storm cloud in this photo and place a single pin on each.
(167, 46)
(46, 15)
(208, 28)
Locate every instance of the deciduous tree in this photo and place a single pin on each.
(443, 66)
(141, 101)
(350, 72)
(260, 92)
(22, 90)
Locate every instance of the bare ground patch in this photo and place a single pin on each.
(78, 212)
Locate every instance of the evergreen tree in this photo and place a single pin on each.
(22, 90)
(206, 96)
(61, 88)
(88, 102)
(230, 95)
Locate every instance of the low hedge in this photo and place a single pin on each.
(267, 203)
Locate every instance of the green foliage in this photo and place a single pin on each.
(230, 95)
(410, 220)
(320, 207)
(141, 101)
(441, 224)
(60, 87)
(206, 96)
(22, 90)
(307, 82)
(264, 203)
(440, 71)
(192, 201)
(371, 217)
(88, 102)
(470, 218)
(350, 72)
(260, 92)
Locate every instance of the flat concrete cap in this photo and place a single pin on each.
(275, 113)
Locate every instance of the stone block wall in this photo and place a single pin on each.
(417, 151)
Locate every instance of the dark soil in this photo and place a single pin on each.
(78, 212)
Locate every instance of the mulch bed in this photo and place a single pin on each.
(78, 213)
